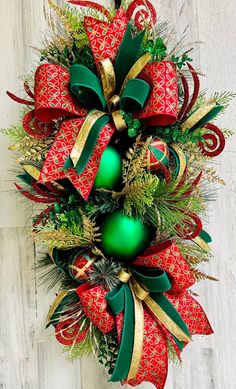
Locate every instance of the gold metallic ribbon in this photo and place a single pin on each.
(32, 171)
(55, 305)
(136, 69)
(198, 115)
(140, 294)
(107, 76)
(182, 160)
(201, 243)
(83, 135)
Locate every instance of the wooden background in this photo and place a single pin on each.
(29, 358)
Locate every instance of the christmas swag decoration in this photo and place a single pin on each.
(114, 143)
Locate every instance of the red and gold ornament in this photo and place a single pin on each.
(80, 264)
(159, 157)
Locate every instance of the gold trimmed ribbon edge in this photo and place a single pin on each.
(138, 335)
(55, 304)
(82, 137)
(165, 319)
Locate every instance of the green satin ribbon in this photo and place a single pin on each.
(121, 299)
(205, 236)
(89, 146)
(26, 179)
(127, 55)
(87, 87)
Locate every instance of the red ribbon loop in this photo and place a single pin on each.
(161, 107)
(95, 306)
(53, 99)
(168, 257)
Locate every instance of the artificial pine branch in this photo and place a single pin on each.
(211, 175)
(105, 273)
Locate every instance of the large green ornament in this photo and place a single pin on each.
(124, 237)
(110, 169)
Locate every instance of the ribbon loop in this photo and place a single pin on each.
(154, 280)
(108, 77)
(134, 95)
(86, 86)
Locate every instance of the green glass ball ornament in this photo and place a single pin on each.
(124, 237)
(110, 169)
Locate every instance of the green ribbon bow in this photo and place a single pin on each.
(89, 90)
(121, 298)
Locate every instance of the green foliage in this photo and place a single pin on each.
(108, 351)
(80, 233)
(139, 193)
(135, 161)
(227, 132)
(105, 202)
(68, 54)
(156, 48)
(48, 274)
(16, 133)
(172, 204)
(181, 61)
(223, 98)
(193, 253)
(175, 135)
(34, 149)
(172, 355)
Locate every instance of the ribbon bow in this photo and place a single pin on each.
(87, 87)
(138, 288)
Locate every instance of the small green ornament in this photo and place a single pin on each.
(52, 215)
(132, 132)
(124, 237)
(57, 207)
(110, 169)
(72, 199)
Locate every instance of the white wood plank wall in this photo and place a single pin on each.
(28, 358)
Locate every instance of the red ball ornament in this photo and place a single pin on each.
(157, 155)
(80, 264)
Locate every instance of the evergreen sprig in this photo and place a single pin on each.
(108, 351)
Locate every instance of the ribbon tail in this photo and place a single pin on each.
(86, 141)
(127, 55)
(164, 311)
(119, 299)
(138, 336)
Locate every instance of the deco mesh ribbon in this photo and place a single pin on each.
(115, 140)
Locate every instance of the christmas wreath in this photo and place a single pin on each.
(114, 143)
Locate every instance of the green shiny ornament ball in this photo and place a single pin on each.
(124, 237)
(132, 132)
(57, 207)
(110, 169)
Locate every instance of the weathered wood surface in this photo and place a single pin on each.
(28, 358)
